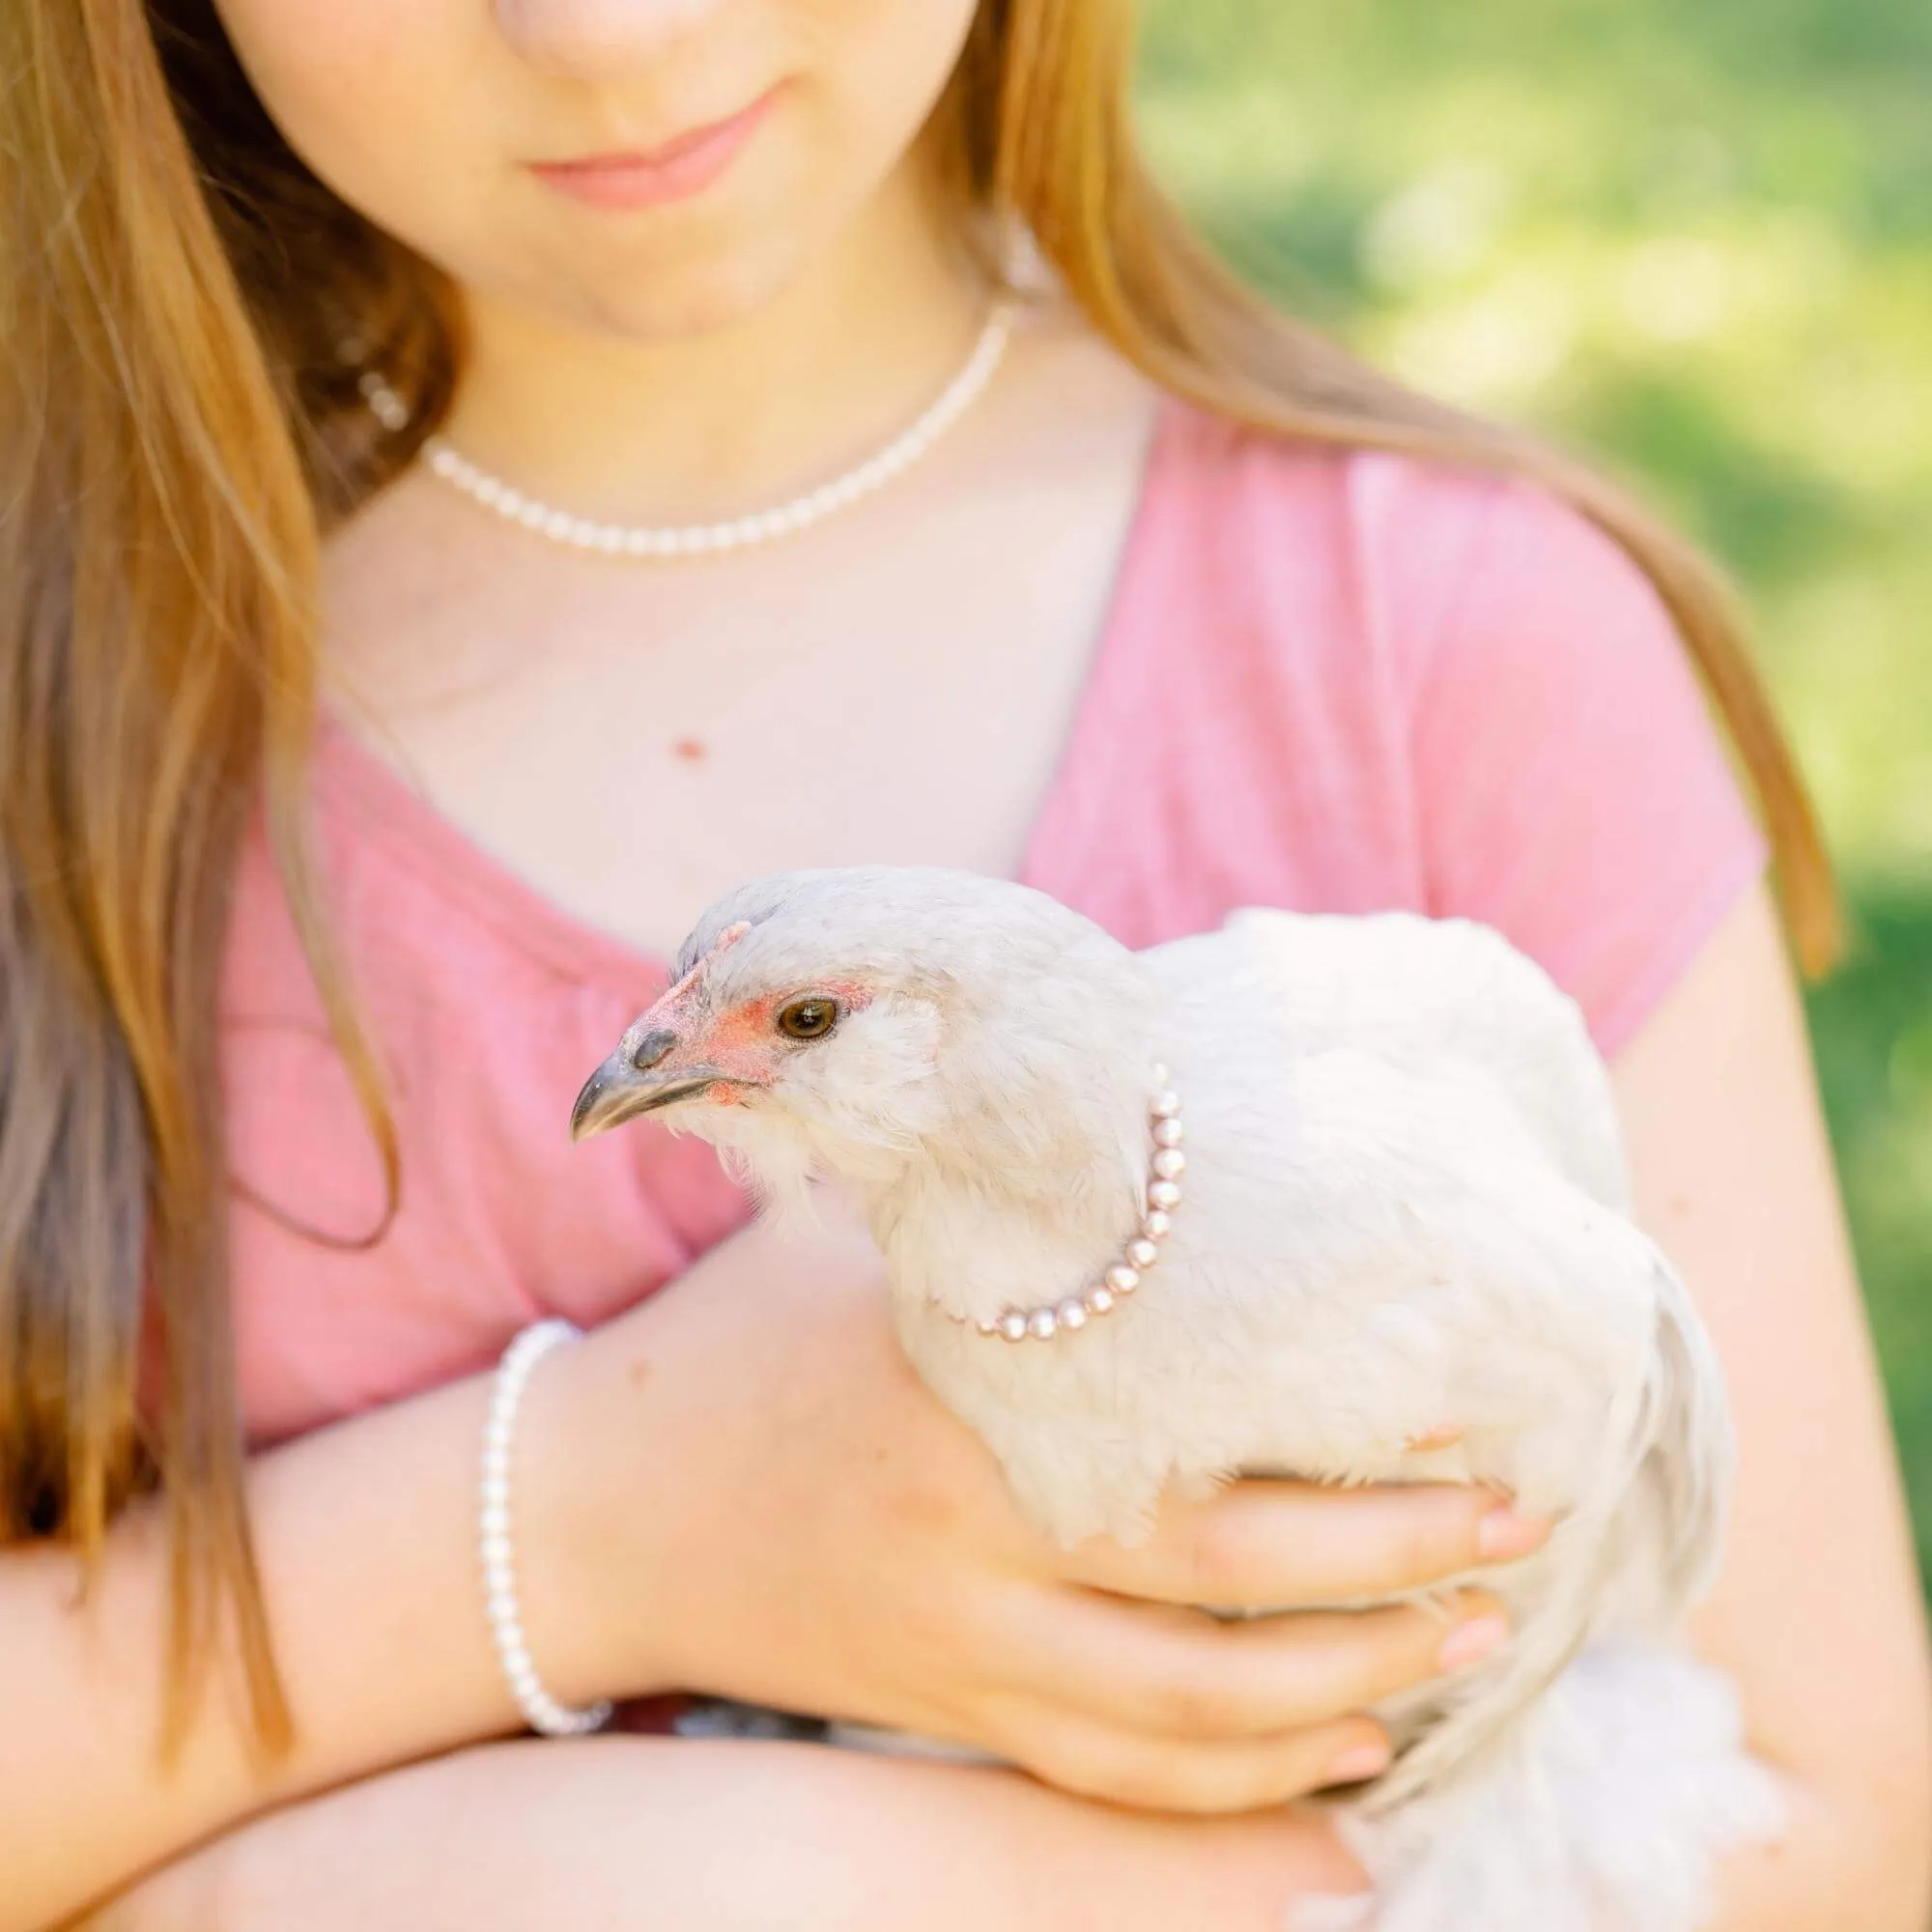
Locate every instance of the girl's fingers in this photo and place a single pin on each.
(1095, 1760)
(1266, 1544)
(1177, 1674)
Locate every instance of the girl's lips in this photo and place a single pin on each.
(674, 172)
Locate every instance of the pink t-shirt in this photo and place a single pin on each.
(1328, 682)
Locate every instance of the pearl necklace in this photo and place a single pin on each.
(1163, 1197)
(447, 462)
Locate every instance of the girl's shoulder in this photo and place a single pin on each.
(1430, 560)
(1348, 680)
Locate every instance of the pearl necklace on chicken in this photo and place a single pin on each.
(676, 540)
(1162, 1198)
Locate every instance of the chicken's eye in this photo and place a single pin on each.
(809, 1020)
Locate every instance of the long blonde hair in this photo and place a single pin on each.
(176, 430)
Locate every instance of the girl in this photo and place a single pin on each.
(345, 816)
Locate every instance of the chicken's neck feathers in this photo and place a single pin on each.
(1035, 1182)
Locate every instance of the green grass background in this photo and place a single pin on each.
(1694, 239)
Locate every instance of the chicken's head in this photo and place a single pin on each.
(835, 1023)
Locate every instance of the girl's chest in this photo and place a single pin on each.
(897, 686)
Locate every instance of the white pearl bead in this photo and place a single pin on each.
(1163, 1195)
(1142, 1252)
(1100, 1301)
(1169, 1163)
(1123, 1279)
(1155, 1225)
(1169, 1134)
(1165, 1105)
(1040, 1324)
(1013, 1325)
(1070, 1313)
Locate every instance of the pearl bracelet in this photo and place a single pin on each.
(500, 1583)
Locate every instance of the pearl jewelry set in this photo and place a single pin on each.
(542, 1711)
(1163, 1196)
(679, 539)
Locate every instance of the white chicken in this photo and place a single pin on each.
(1385, 1190)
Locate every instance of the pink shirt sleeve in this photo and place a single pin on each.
(1571, 785)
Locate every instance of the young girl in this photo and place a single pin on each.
(344, 818)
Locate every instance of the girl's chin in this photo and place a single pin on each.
(662, 302)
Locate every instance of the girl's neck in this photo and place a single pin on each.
(718, 420)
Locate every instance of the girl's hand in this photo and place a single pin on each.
(744, 1489)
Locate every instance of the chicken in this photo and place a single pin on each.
(1385, 1190)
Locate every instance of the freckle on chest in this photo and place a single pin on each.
(691, 750)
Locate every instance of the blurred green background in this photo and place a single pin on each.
(1694, 238)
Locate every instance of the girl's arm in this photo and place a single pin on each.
(633, 1834)
(364, 1534)
(1818, 1613)
(739, 1486)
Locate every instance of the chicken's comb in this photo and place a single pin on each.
(723, 943)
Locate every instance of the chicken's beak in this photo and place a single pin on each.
(636, 1081)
